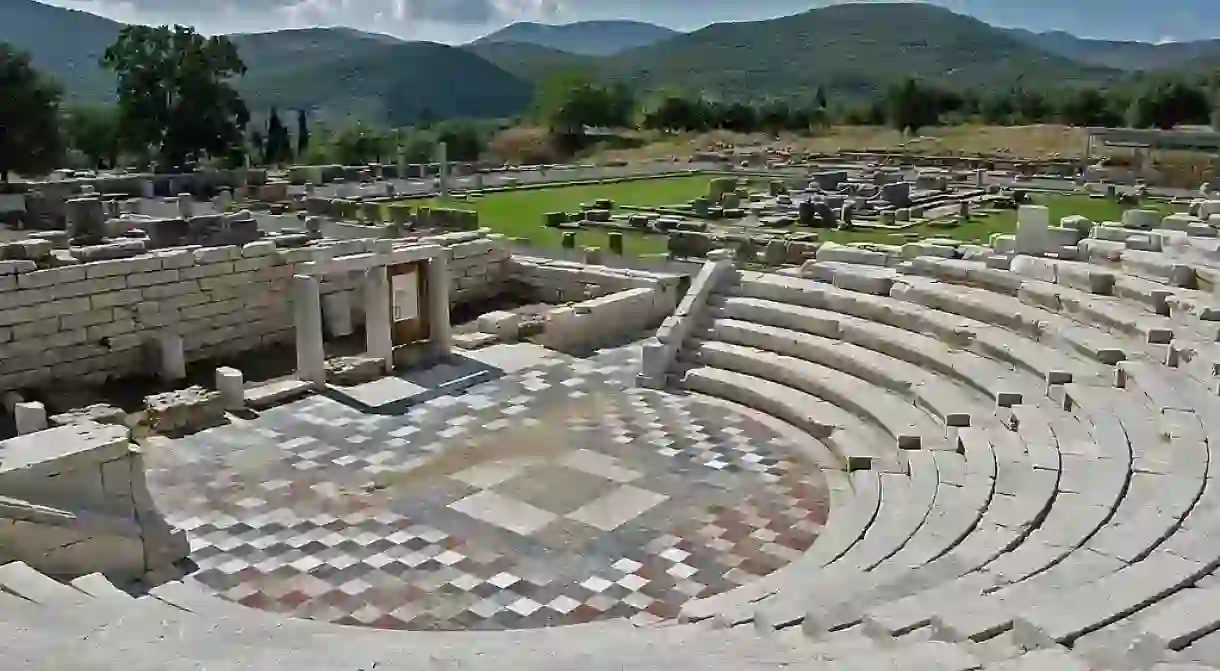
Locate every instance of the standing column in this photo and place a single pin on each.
(442, 158)
(307, 311)
(377, 320)
(438, 305)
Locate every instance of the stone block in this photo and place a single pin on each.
(503, 325)
(184, 410)
(99, 413)
(30, 417)
(354, 370)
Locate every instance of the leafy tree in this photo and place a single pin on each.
(258, 146)
(302, 133)
(676, 112)
(1088, 107)
(279, 145)
(359, 144)
(911, 106)
(462, 138)
(174, 91)
(29, 116)
(570, 102)
(998, 107)
(93, 130)
(1170, 103)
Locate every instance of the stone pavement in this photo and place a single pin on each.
(556, 494)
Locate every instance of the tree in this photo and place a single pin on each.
(29, 116)
(174, 92)
(279, 145)
(570, 102)
(358, 144)
(1087, 107)
(1169, 103)
(462, 140)
(93, 130)
(677, 112)
(819, 98)
(912, 106)
(258, 146)
(302, 134)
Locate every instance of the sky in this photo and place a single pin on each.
(456, 21)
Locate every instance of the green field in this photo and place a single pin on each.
(519, 214)
(980, 228)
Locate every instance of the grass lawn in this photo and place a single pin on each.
(519, 214)
(981, 228)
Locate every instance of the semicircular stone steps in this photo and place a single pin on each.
(820, 348)
(1115, 498)
(1027, 482)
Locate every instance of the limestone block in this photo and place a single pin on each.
(1208, 208)
(188, 409)
(1179, 222)
(504, 325)
(1004, 244)
(1077, 222)
(1063, 236)
(171, 356)
(1142, 219)
(30, 417)
(337, 313)
(1032, 224)
(98, 413)
(1035, 268)
(231, 385)
(354, 370)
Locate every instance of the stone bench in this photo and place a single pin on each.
(989, 341)
(1012, 315)
(934, 394)
(848, 523)
(930, 354)
(905, 509)
(858, 447)
(909, 427)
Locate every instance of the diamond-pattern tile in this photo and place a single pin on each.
(554, 495)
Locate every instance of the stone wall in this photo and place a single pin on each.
(76, 502)
(551, 281)
(606, 320)
(90, 322)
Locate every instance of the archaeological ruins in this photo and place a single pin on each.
(312, 419)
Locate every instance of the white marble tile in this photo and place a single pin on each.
(617, 508)
(490, 507)
(602, 465)
(490, 474)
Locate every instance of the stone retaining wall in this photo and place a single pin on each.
(90, 322)
(606, 320)
(76, 502)
(551, 281)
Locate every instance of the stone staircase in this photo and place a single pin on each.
(1029, 454)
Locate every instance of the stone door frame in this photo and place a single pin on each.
(378, 321)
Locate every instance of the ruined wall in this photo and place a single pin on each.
(85, 323)
(551, 281)
(76, 502)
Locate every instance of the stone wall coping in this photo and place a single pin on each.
(63, 449)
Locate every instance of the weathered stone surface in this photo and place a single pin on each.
(350, 371)
(184, 410)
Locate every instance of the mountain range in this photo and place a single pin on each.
(848, 49)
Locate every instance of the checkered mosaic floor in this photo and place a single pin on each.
(556, 495)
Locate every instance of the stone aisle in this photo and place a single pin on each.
(554, 495)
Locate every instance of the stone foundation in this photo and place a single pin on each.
(75, 502)
(90, 322)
